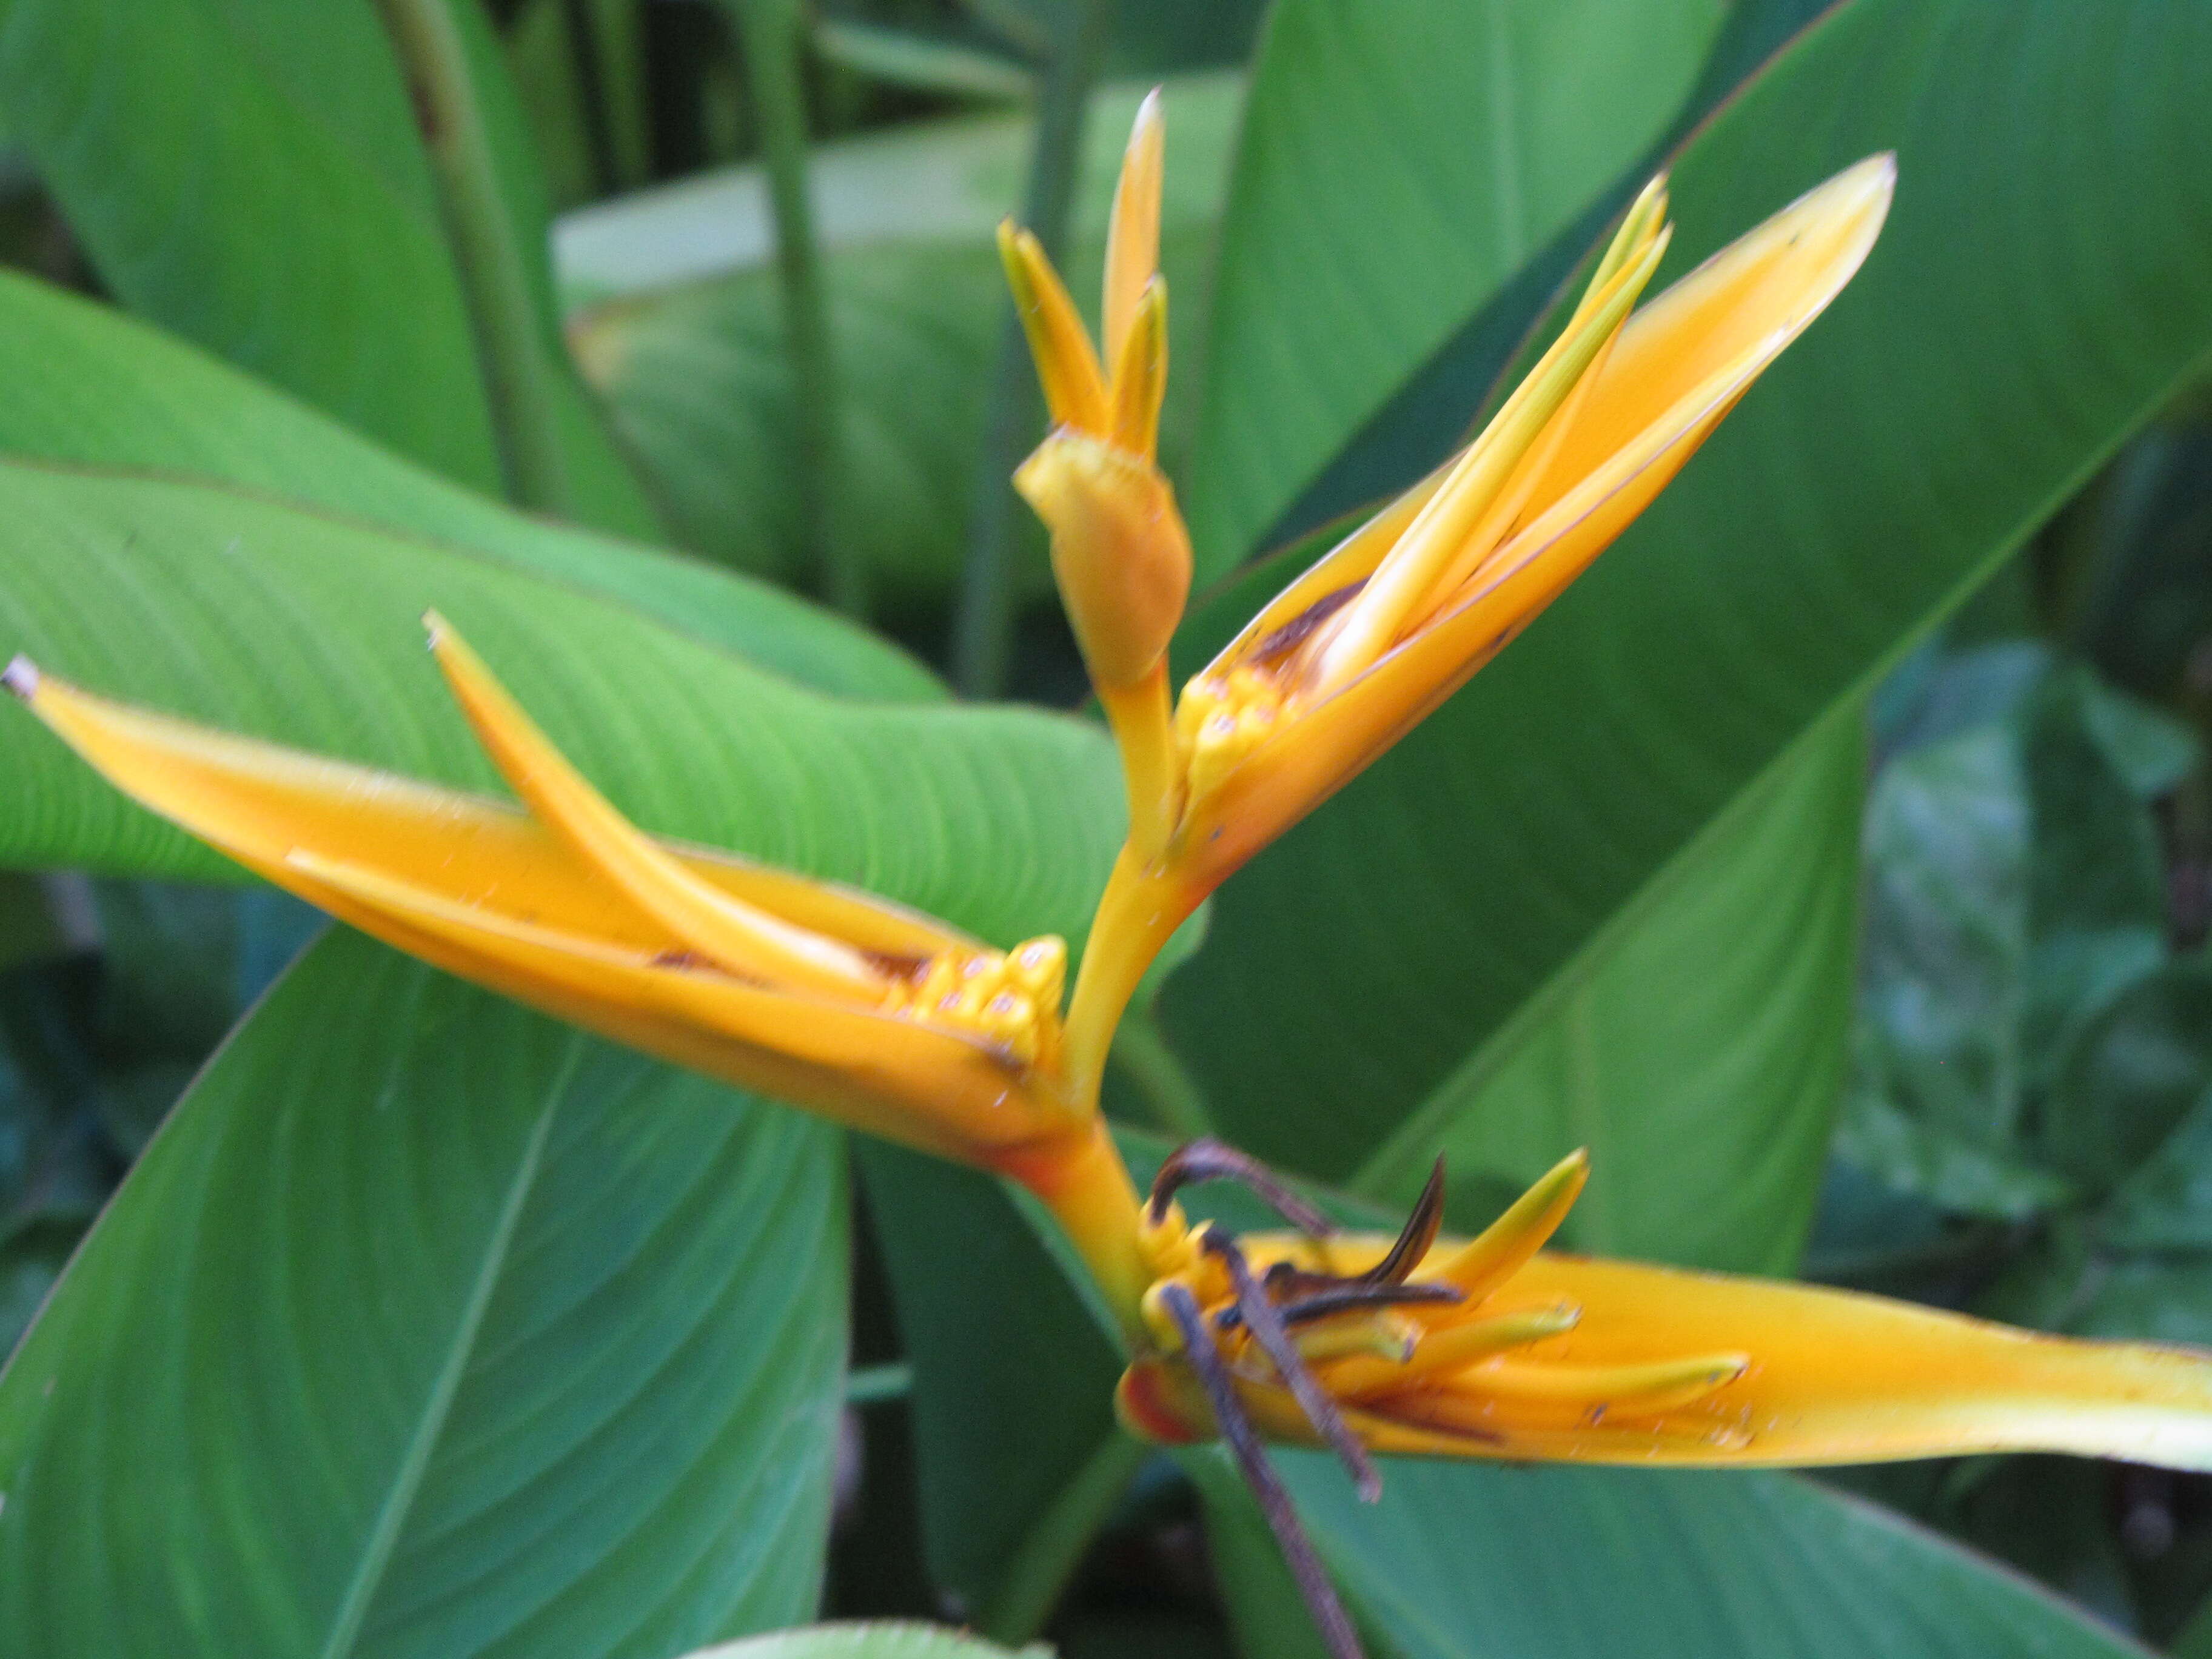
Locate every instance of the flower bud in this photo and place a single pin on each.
(1118, 551)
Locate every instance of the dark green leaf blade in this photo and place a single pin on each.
(1462, 1560)
(135, 112)
(429, 1327)
(870, 1641)
(1013, 1392)
(92, 387)
(1697, 1047)
(250, 177)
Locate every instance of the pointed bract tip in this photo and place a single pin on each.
(435, 628)
(21, 677)
(1870, 184)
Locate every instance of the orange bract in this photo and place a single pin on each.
(1568, 1358)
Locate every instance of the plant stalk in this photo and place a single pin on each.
(983, 625)
(512, 353)
(774, 36)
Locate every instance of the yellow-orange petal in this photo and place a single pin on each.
(1067, 368)
(741, 936)
(1140, 374)
(257, 801)
(1488, 485)
(479, 889)
(1132, 232)
(1831, 1377)
(1676, 368)
(1740, 308)
(939, 1091)
(1119, 553)
(1500, 1250)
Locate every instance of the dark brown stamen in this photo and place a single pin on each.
(1265, 1321)
(1345, 1296)
(1418, 1233)
(1294, 633)
(1268, 1489)
(1208, 1159)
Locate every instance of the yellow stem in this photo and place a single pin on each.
(1081, 1179)
(1138, 912)
(1142, 730)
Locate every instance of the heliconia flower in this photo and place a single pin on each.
(1393, 620)
(875, 1015)
(1495, 1348)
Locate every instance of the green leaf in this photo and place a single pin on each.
(871, 1641)
(265, 619)
(1469, 1561)
(92, 388)
(1013, 1390)
(1772, 584)
(2015, 891)
(2166, 1201)
(2125, 1084)
(250, 176)
(430, 1327)
(700, 382)
(1399, 163)
(2149, 599)
(1697, 1047)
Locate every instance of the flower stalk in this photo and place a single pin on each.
(512, 350)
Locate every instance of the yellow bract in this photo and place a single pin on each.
(1395, 618)
(878, 1016)
(1565, 1357)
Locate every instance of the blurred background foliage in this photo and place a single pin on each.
(2024, 1072)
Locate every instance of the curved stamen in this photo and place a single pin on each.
(1418, 1233)
(1340, 1295)
(1229, 1414)
(1208, 1159)
(1266, 1323)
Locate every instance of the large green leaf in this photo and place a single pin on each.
(1399, 164)
(269, 620)
(249, 174)
(1772, 583)
(429, 1327)
(1696, 1046)
(697, 373)
(1472, 1561)
(93, 388)
(871, 1641)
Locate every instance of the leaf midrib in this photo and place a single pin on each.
(407, 1481)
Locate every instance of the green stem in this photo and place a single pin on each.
(1040, 1568)
(876, 1385)
(774, 36)
(512, 350)
(1176, 1102)
(983, 628)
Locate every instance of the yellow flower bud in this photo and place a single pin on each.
(1118, 551)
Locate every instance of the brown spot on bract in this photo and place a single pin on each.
(1294, 633)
